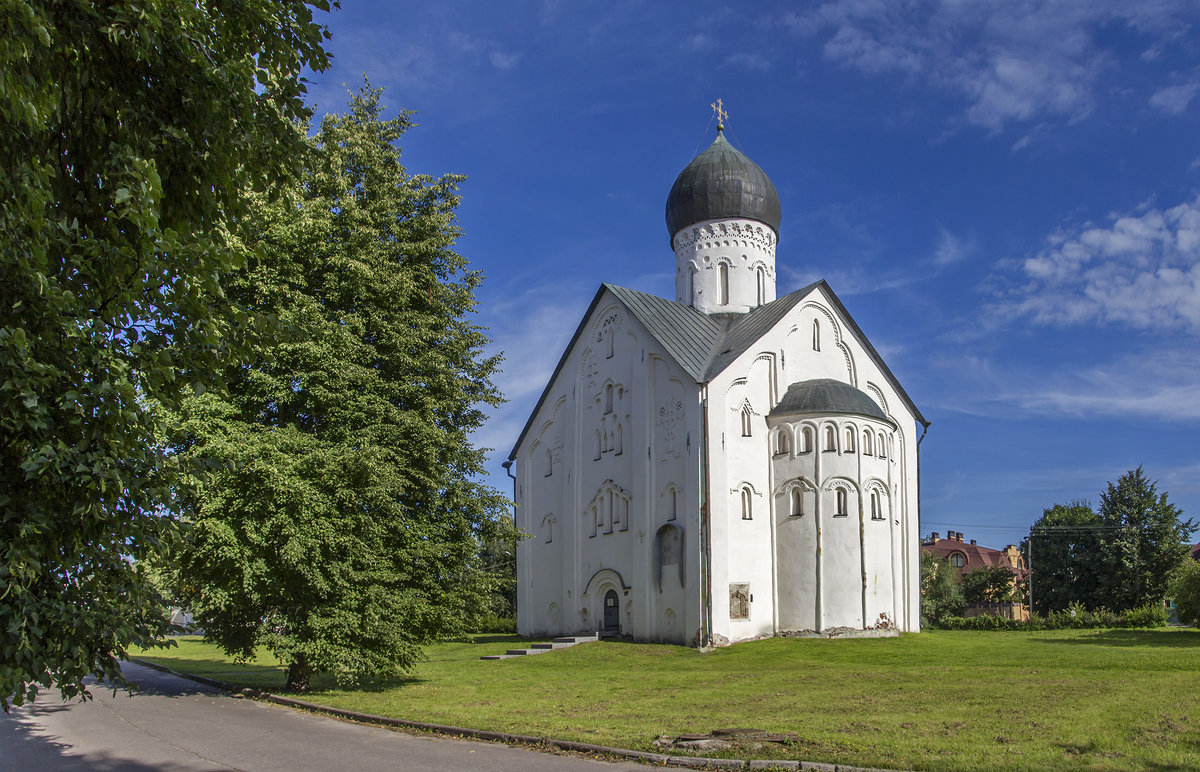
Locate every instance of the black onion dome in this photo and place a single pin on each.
(825, 396)
(721, 182)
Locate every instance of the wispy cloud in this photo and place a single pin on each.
(746, 61)
(952, 249)
(1012, 61)
(1142, 270)
(1174, 100)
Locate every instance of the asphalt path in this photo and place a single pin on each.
(177, 725)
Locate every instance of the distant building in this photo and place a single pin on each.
(969, 556)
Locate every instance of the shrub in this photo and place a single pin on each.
(494, 623)
(1150, 615)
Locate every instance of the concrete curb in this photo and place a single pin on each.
(661, 759)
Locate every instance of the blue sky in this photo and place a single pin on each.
(1005, 195)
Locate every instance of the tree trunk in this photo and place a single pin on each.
(299, 674)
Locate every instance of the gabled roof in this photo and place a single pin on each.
(702, 344)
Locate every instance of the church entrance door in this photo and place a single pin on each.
(612, 616)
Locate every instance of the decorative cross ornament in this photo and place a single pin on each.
(722, 116)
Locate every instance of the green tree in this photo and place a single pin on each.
(1066, 557)
(1146, 542)
(989, 585)
(1186, 589)
(128, 132)
(941, 591)
(343, 529)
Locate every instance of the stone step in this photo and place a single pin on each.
(541, 648)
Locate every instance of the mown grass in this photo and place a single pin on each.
(1067, 699)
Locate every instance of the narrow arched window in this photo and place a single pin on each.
(549, 463)
(816, 335)
(762, 285)
(723, 271)
(746, 421)
(867, 444)
(797, 502)
(842, 505)
(876, 513)
(598, 446)
(882, 445)
(747, 513)
(673, 509)
(782, 446)
(957, 559)
(620, 441)
(849, 447)
(830, 439)
(608, 398)
(806, 439)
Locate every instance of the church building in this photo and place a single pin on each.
(723, 466)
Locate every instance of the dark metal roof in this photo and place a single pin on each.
(704, 345)
(824, 396)
(721, 182)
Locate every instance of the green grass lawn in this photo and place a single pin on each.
(1074, 700)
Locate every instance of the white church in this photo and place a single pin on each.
(723, 466)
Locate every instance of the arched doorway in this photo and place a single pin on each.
(612, 612)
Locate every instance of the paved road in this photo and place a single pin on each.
(176, 725)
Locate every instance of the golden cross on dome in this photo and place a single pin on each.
(722, 116)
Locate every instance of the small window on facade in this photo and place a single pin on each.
(816, 335)
(842, 506)
(876, 512)
(867, 444)
(723, 271)
(608, 343)
(830, 438)
(598, 446)
(746, 421)
(548, 523)
(608, 398)
(957, 559)
(620, 446)
(549, 463)
(797, 502)
(609, 513)
(849, 447)
(747, 512)
(782, 444)
(593, 515)
(673, 504)
(806, 439)
(762, 285)
(881, 445)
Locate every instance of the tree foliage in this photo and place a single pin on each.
(991, 585)
(129, 132)
(941, 591)
(1147, 542)
(1120, 557)
(1066, 551)
(343, 528)
(1186, 590)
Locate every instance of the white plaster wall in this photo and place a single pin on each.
(842, 550)
(562, 583)
(745, 246)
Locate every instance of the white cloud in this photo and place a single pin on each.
(1011, 60)
(503, 60)
(1142, 270)
(1173, 100)
(952, 249)
(754, 62)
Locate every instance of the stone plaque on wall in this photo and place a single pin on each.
(739, 601)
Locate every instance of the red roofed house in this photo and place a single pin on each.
(967, 556)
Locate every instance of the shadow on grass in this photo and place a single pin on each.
(1153, 638)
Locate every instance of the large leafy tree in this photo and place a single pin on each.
(344, 527)
(1146, 542)
(128, 132)
(1065, 550)
(1186, 589)
(992, 584)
